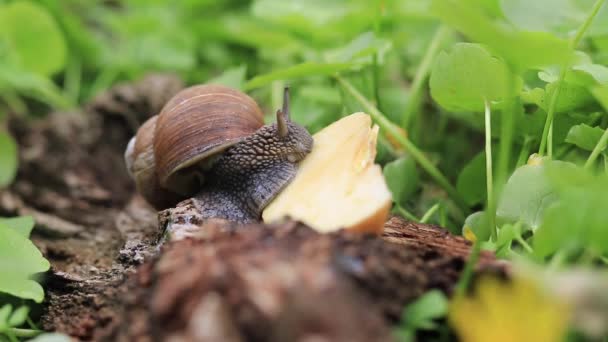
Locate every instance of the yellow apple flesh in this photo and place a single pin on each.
(337, 185)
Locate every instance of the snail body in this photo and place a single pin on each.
(209, 143)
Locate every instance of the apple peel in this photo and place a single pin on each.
(337, 185)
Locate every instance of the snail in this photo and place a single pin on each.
(209, 142)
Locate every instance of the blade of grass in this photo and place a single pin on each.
(405, 213)
(548, 128)
(411, 108)
(387, 126)
(429, 213)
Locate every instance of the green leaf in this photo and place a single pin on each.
(506, 234)
(527, 194)
(20, 260)
(402, 178)
(234, 77)
(32, 85)
(490, 7)
(578, 219)
(584, 136)
(571, 97)
(601, 95)
(8, 159)
(34, 39)
(81, 41)
(593, 74)
(462, 79)
(21, 224)
(5, 312)
(534, 16)
(303, 12)
(321, 22)
(477, 224)
(471, 182)
(19, 316)
(151, 37)
(245, 30)
(534, 96)
(521, 49)
(421, 313)
(305, 69)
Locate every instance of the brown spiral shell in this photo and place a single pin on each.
(196, 124)
(141, 165)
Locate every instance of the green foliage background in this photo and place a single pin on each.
(464, 91)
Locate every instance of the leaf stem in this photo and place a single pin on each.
(506, 135)
(423, 71)
(31, 323)
(562, 74)
(581, 30)
(548, 128)
(524, 244)
(389, 127)
(524, 153)
(429, 213)
(491, 203)
(599, 147)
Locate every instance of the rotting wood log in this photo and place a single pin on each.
(288, 283)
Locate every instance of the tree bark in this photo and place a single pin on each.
(111, 281)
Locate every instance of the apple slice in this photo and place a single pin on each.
(337, 185)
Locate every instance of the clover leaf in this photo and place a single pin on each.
(34, 39)
(19, 261)
(464, 78)
(527, 194)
